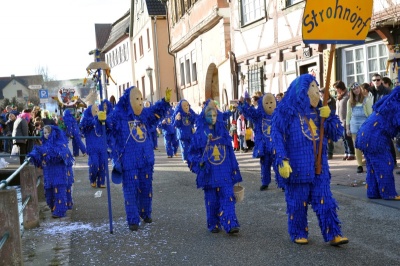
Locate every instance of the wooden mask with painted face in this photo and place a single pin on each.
(136, 100)
(269, 103)
(313, 94)
(95, 110)
(185, 106)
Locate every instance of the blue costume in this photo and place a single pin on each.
(72, 131)
(56, 160)
(212, 159)
(133, 154)
(169, 133)
(152, 130)
(295, 137)
(184, 127)
(262, 138)
(107, 106)
(92, 129)
(374, 139)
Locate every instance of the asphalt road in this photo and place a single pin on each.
(178, 234)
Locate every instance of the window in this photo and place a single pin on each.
(187, 66)
(19, 93)
(143, 87)
(182, 66)
(255, 79)
(292, 2)
(361, 62)
(252, 10)
(127, 52)
(194, 66)
(141, 46)
(134, 51)
(148, 39)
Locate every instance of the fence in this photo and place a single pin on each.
(31, 180)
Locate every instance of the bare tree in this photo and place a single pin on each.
(40, 70)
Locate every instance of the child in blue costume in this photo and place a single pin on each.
(261, 118)
(92, 129)
(183, 120)
(374, 139)
(56, 160)
(295, 137)
(152, 130)
(72, 131)
(212, 159)
(107, 107)
(133, 154)
(169, 133)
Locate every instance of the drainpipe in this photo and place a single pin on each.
(131, 24)
(157, 58)
(169, 50)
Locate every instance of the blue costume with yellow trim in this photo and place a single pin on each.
(56, 160)
(153, 133)
(72, 131)
(374, 139)
(184, 127)
(133, 153)
(295, 127)
(262, 137)
(212, 159)
(93, 131)
(169, 133)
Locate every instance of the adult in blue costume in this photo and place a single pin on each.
(295, 137)
(152, 130)
(92, 129)
(73, 132)
(133, 154)
(261, 118)
(183, 120)
(169, 133)
(212, 159)
(56, 160)
(374, 139)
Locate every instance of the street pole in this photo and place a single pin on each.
(104, 138)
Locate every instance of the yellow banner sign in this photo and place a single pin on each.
(336, 21)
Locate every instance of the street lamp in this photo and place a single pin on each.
(149, 72)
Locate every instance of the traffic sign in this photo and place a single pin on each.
(43, 94)
(35, 87)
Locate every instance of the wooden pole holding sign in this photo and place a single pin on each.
(321, 21)
(324, 103)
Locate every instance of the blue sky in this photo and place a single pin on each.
(52, 34)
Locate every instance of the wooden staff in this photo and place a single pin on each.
(325, 102)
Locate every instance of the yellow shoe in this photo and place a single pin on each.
(339, 240)
(396, 198)
(301, 241)
(93, 184)
(102, 186)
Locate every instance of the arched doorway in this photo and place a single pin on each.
(212, 84)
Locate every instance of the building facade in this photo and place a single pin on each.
(200, 39)
(269, 51)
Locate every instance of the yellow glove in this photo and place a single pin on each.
(102, 115)
(231, 107)
(324, 111)
(168, 92)
(285, 170)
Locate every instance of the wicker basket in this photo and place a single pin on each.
(239, 193)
